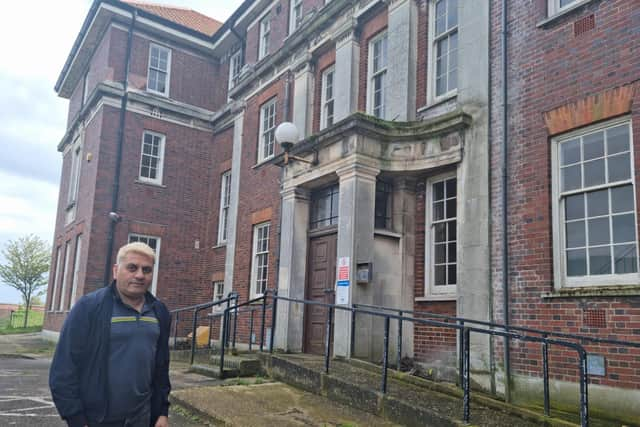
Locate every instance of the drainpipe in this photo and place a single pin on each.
(113, 220)
(505, 248)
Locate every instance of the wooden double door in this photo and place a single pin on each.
(321, 276)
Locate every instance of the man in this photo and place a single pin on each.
(111, 365)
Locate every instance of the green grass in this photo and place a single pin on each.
(15, 322)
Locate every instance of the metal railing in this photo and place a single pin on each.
(460, 325)
(582, 339)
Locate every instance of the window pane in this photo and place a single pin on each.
(622, 199)
(598, 203)
(451, 226)
(440, 16)
(599, 231)
(593, 146)
(575, 234)
(440, 253)
(624, 228)
(451, 187)
(594, 173)
(617, 139)
(600, 260)
(440, 275)
(625, 259)
(570, 152)
(574, 207)
(438, 191)
(451, 208)
(452, 279)
(619, 167)
(438, 211)
(452, 12)
(440, 233)
(571, 178)
(452, 253)
(577, 262)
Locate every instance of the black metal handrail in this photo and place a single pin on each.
(233, 296)
(462, 321)
(464, 356)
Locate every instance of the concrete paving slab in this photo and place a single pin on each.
(271, 404)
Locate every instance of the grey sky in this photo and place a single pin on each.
(37, 37)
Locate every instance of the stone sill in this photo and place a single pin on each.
(552, 19)
(152, 184)
(595, 291)
(387, 233)
(436, 298)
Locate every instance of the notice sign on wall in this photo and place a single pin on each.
(342, 293)
(342, 290)
(343, 268)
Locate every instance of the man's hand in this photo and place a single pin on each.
(162, 421)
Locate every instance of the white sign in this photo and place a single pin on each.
(343, 268)
(342, 294)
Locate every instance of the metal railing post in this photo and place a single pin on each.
(584, 389)
(545, 375)
(274, 313)
(461, 354)
(466, 377)
(327, 340)
(235, 322)
(223, 344)
(175, 332)
(385, 354)
(399, 344)
(264, 319)
(210, 328)
(193, 336)
(250, 329)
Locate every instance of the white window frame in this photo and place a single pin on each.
(65, 277)
(235, 66)
(554, 8)
(264, 36)
(144, 238)
(76, 270)
(257, 255)
(160, 164)
(446, 291)
(295, 15)
(432, 94)
(56, 281)
(373, 74)
(267, 138)
(167, 71)
(225, 204)
(85, 89)
(74, 173)
(561, 280)
(327, 100)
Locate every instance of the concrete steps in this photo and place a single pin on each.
(234, 366)
(409, 401)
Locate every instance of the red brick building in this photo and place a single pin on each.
(395, 180)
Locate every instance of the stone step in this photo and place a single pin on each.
(409, 403)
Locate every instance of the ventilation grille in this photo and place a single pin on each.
(584, 25)
(594, 318)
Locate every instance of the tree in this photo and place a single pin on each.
(26, 267)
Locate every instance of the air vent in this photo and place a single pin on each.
(594, 318)
(584, 25)
(155, 112)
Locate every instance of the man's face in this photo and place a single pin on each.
(133, 275)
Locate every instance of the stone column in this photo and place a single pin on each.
(355, 239)
(233, 208)
(345, 85)
(400, 93)
(302, 99)
(292, 273)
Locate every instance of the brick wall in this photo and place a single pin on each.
(549, 67)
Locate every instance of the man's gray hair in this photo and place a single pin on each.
(136, 247)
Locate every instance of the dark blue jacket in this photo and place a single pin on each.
(78, 377)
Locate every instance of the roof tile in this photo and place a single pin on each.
(183, 16)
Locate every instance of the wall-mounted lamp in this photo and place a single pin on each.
(115, 217)
(287, 136)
